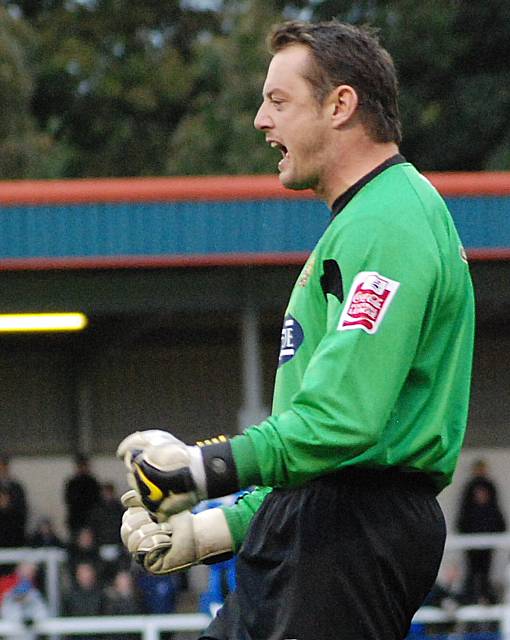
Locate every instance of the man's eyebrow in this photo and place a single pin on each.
(269, 94)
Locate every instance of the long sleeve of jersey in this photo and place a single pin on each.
(239, 515)
(376, 348)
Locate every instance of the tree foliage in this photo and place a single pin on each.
(455, 80)
(158, 87)
(25, 150)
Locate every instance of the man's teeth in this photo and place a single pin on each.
(281, 147)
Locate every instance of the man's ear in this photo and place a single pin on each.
(344, 102)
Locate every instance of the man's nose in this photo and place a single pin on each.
(262, 120)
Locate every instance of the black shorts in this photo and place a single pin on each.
(350, 556)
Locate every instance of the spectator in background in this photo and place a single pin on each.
(479, 512)
(84, 550)
(105, 517)
(17, 502)
(44, 535)
(9, 528)
(84, 596)
(122, 598)
(7, 582)
(479, 477)
(158, 593)
(82, 492)
(9, 531)
(24, 602)
(105, 520)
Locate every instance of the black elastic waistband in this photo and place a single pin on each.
(384, 476)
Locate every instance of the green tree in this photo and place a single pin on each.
(452, 62)
(217, 133)
(455, 79)
(25, 152)
(152, 87)
(113, 79)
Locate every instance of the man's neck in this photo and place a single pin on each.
(351, 165)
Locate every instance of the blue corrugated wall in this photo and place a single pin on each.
(203, 228)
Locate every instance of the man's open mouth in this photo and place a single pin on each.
(283, 149)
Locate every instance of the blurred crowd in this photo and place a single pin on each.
(99, 578)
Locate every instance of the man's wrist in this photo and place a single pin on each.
(220, 466)
(220, 469)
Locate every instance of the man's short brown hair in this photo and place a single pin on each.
(346, 54)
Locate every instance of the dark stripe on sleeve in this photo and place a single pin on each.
(331, 280)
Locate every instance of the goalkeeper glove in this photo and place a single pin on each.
(140, 440)
(171, 476)
(177, 544)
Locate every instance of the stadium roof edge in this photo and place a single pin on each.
(212, 188)
(195, 261)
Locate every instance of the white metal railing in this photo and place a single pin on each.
(469, 613)
(11, 629)
(51, 558)
(151, 626)
(474, 613)
(455, 542)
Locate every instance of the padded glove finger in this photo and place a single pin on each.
(182, 553)
(140, 440)
(131, 499)
(183, 541)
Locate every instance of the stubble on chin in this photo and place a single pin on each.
(294, 183)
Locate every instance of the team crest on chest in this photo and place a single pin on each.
(369, 299)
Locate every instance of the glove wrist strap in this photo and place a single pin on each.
(220, 469)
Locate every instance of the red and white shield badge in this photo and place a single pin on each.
(368, 300)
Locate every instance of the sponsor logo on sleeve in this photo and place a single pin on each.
(292, 339)
(369, 299)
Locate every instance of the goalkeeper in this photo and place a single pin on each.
(343, 536)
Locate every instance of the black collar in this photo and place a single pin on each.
(348, 195)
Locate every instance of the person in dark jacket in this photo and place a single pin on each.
(44, 535)
(105, 518)
(81, 493)
(84, 596)
(479, 513)
(17, 503)
(121, 598)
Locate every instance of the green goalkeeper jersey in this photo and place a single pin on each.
(376, 349)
